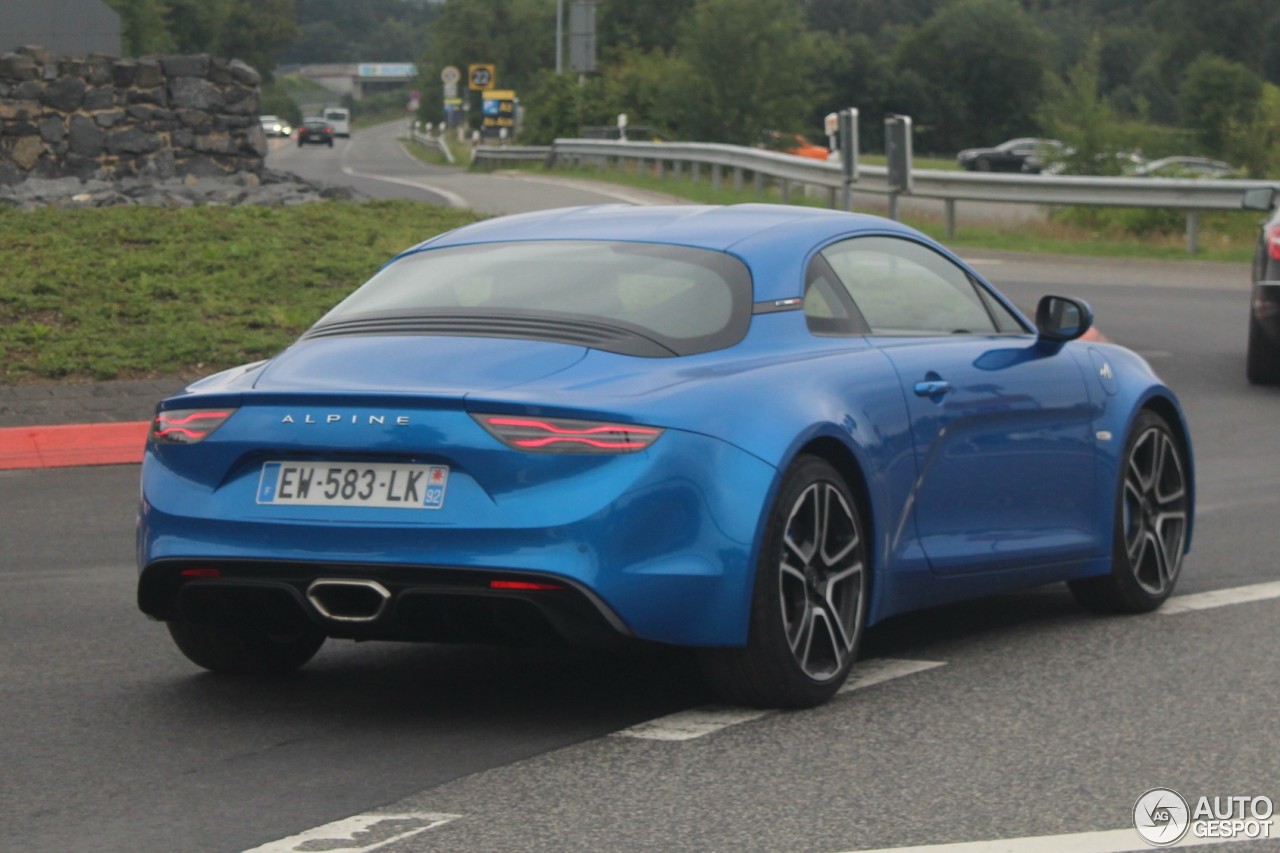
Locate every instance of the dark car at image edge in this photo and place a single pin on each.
(1262, 360)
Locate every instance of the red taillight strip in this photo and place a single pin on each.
(201, 573)
(1273, 242)
(187, 426)
(524, 585)
(549, 427)
(563, 435)
(535, 443)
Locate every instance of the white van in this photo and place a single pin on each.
(340, 119)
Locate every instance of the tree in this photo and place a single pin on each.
(748, 64)
(255, 31)
(1080, 115)
(625, 26)
(1217, 94)
(143, 26)
(983, 62)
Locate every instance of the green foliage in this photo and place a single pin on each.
(747, 64)
(128, 292)
(983, 66)
(251, 30)
(1084, 119)
(143, 27)
(363, 31)
(1215, 95)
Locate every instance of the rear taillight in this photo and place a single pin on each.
(562, 435)
(187, 426)
(1273, 242)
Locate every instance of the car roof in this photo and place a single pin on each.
(774, 240)
(700, 226)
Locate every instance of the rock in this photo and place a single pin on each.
(109, 118)
(100, 98)
(52, 129)
(27, 152)
(133, 141)
(15, 67)
(186, 66)
(85, 137)
(196, 94)
(148, 74)
(245, 74)
(64, 95)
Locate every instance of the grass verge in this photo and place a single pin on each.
(133, 292)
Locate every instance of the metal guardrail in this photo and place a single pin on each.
(734, 162)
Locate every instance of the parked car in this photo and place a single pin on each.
(316, 131)
(340, 119)
(1184, 167)
(1262, 359)
(1028, 155)
(275, 126)
(752, 430)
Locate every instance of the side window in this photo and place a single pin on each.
(901, 287)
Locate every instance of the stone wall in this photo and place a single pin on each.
(100, 117)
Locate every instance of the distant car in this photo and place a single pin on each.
(1184, 167)
(340, 119)
(275, 126)
(1262, 360)
(1027, 155)
(752, 430)
(317, 131)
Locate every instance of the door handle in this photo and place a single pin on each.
(934, 389)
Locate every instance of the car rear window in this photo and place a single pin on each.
(634, 298)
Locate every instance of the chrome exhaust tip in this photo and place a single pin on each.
(348, 600)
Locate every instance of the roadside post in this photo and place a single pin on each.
(847, 121)
(897, 142)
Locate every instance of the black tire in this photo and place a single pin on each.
(234, 650)
(300, 143)
(330, 143)
(809, 602)
(1262, 360)
(982, 164)
(1152, 502)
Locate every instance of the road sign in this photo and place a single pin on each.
(450, 90)
(450, 75)
(481, 76)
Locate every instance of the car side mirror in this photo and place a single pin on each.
(1259, 198)
(1060, 319)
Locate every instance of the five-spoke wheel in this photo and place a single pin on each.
(810, 597)
(1151, 523)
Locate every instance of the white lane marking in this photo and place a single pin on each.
(694, 723)
(362, 832)
(451, 197)
(880, 670)
(1221, 598)
(606, 190)
(1109, 841)
(698, 722)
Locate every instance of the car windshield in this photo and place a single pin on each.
(654, 299)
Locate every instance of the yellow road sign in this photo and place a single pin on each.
(481, 76)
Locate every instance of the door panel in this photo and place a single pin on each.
(1004, 450)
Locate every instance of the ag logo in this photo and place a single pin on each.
(1161, 816)
(480, 76)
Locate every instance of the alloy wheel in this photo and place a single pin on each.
(821, 581)
(1155, 511)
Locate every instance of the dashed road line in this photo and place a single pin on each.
(1221, 598)
(699, 722)
(358, 833)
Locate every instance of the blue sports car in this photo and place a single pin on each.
(753, 430)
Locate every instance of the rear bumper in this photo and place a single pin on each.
(411, 603)
(658, 545)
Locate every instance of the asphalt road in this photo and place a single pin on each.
(1019, 716)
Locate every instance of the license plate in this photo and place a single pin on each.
(373, 484)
